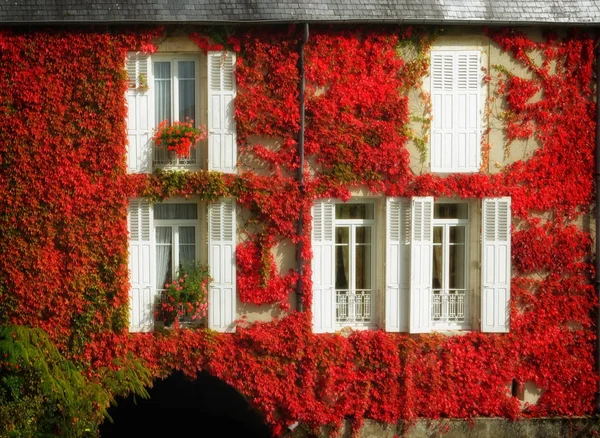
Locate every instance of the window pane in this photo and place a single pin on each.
(457, 235)
(164, 238)
(363, 234)
(187, 90)
(341, 235)
(187, 247)
(175, 211)
(457, 266)
(437, 235)
(363, 267)
(342, 261)
(450, 211)
(162, 88)
(354, 211)
(437, 267)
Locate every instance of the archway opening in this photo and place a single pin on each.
(205, 406)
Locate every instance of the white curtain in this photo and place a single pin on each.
(162, 91)
(187, 247)
(164, 243)
(187, 90)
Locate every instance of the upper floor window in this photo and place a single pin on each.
(456, 95)
(180, 87)
(176, 98)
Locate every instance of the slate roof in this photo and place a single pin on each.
(577, 12)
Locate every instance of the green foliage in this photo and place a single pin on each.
(44, 394)
(187, 295)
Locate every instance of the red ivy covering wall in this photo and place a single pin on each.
(64, 191)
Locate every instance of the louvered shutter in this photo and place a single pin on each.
(222, 146)
(397, 265)
(323, 263)
(141, 295)
(456, 126)
(496, 267)
(421, 253)
(221, 258)
(139, 114)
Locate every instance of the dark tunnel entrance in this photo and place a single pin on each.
(203, 407)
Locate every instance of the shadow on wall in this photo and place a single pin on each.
(205, 407)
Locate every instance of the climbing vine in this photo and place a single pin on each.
(64, 193)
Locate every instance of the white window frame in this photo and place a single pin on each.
(445, 291)
(175, 224)
(450, 132)
(408, 300)
(173, 59)
(352, 224)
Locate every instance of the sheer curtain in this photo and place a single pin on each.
(164, 243)
(187, 247)
(437, 258)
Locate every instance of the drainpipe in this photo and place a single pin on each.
(597, 218)
(300, 227)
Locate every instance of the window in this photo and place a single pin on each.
(164, 238)
(176, 98)
(354, 283)
(174, 87)
(431, 249)
(344, 265)
(449, 277)
(176, 236)
(456, 95)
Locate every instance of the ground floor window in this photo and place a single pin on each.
(443, 264)
(355, 292)
(450, 293)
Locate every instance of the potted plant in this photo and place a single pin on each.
(186, 297)
(178, 137)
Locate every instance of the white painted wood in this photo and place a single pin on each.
(139, 114)
(222, 145)
(323, 262)
(221, 258)
(496, 265)
(397, 264)
(141, 294)
(456, 88)
(420, 264)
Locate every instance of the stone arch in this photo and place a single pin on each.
(178, 405)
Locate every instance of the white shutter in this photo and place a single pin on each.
(397, 255)
(496, 267)
(221, 258)
(323, 262)
(139, 114)
(456, 88)
(141, 295)
(222, 145)
(420, 264)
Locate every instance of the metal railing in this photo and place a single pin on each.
(448, 305)
(162, 157)
(355, 307)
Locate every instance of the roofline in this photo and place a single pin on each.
(408, 21)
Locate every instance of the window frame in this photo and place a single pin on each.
(200, 91)
(197, 223)
(454, 167)
(446, 224)
(352, 225)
